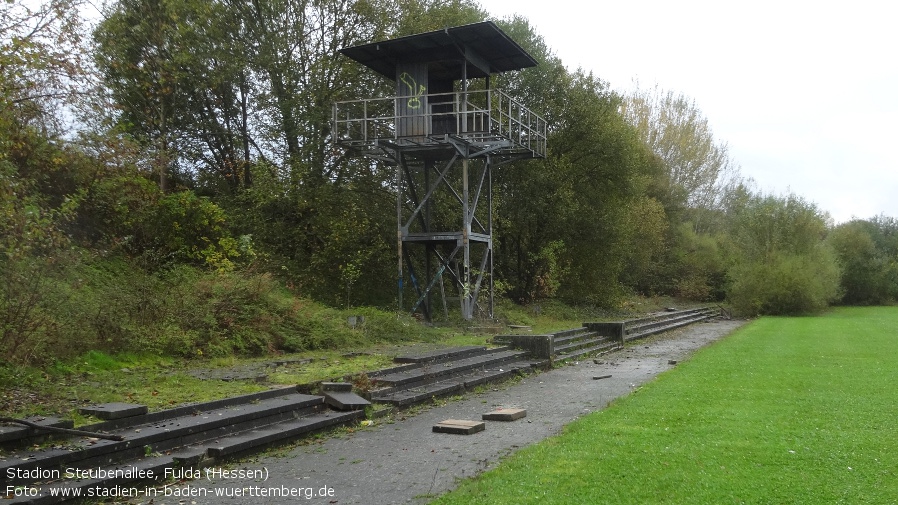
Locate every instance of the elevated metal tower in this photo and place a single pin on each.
(445, 130)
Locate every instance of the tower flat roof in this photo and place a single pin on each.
(484, 47)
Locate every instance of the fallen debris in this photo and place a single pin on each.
(67, 431)
(505, 415)
(459, 427)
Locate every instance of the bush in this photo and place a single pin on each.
(129, 213)
(867, 253)
(785, 284)
(782, 264)
(57, 310)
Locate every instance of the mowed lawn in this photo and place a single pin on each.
(785, 410)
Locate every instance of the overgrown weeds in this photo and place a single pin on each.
(88, 302)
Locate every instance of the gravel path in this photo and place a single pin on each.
(405, 462)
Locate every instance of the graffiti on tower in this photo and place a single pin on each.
(415, 90)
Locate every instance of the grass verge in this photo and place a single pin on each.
(786, 410)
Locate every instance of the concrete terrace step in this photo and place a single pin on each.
(413, 362)
(580, 336)
(578, 342)
(434, 371)
(189, 410)
(155, 465)
(203, 436)
(453, 353)
(13, 434)
(573, 333)
(642, 325)
(243, 442)
(203, 454)
(599, 347)
(667, 314)
(667, 326)
(170, 433)
(572, 346)
(456, 384)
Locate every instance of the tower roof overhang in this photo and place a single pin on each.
(475, 50)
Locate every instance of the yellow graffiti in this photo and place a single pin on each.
(415, 101)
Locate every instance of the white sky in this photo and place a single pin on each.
(805, 93)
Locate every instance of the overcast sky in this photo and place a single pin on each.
(805, 93)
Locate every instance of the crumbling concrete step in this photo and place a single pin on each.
(539, 364)
(656, 316)
(153, 434)
(158, 467)
(434, 371)
(414, 394)
(345, 400)
(588, 351)
(124, 480)
(198, 436)
(572, 345)
(281, 432)
(377, 374)
(453, 353)
(113, 411)
(668, 327)
(668, 316)
(509, 370)
(673, 318)
(570, 334)
(16, 433)
(189, 410)
(583, 334)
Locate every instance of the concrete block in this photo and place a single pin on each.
(342, 400)
(505, 415)
(336, 386)
(459, 427)
(616, 330)
(109, 411)
(539, 346)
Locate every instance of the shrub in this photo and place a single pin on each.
(867, 252)
(782, 264)
(785, 284)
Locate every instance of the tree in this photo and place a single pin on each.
(868, 255)
(41, 60)
(138, 55)
(696, 166)
(179, 74)
(783, 264)
(293, 48)
(569, 225)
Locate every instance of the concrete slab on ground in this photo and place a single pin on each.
(505, 415)
(459, 427)
(110, 411)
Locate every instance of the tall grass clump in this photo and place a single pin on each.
(90, 303)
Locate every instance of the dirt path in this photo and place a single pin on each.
(405, 462)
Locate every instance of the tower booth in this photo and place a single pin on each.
(445, 129)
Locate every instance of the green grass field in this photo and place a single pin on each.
(785, 410)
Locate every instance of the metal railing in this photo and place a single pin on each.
(477, 116)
